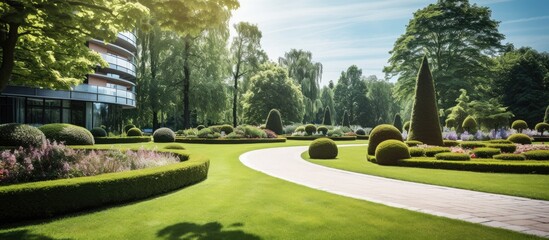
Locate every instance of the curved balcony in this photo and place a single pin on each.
(127, 40)
(120, 65)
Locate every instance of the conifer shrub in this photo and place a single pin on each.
(381, 133)
(323, 130)
(346, 121)
(310, 129)
(16, 135)
(397, 121)
(67, 133)
(486, 152)
(519, 125)
(520, 138)
(134, 132)
(98, 132)
(389, 152)
(274, 122)
(163, 135)
(128, 127)
(323, 148)
(327, 120)
(451, 123)
(469, 124)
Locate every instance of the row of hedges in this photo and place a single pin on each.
(50, 198)
(230, 141)
(475, 166)
(343, 138)
(118, 140)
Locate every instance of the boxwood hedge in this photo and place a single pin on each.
(477, 166)
(116, 140)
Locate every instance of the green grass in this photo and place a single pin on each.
(523, 185)
(236, 202)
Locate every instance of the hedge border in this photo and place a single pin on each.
(362, 137)
(121, 140)
(230, 141)
(474, 166)
(311, 138)
(30, 201)
(541, 139)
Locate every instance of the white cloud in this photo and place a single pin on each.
(526, 19)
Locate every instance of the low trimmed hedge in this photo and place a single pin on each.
(510, 157)
(453, 156)
(362, 137)
(500, 141)
(432, 151)
(520, 138)
(537, 155)
(504, 147)
(413, 143)
(450, 143)
(472, 145)
(486, 152)
(121, 140)
(475, 166)
(230, 141)
(50, 198)
(416, 152)
(310, 138)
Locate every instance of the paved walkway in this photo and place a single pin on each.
(514, 213)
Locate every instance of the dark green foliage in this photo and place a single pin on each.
(476, 166)
(425, 125)
(346, 121)
(118, 140)
(360, 131)
(542, 127)
(67, 133)
(230, 140)
(520, 138)
(472, 145)
(546, 118)
(453, 156)
(381, 133)
(310, 129)
(450, 143)
(50, 198)
(335, 138)
(98, 132)
(228, 129)
(510, 156)
(16, 135)
(163, 135)
(134, 132)
(451, 123)
(200, 127)
(274, 122)
(505, 148)
(389, 152)
(486, 152)
(406, 126)
(327, 120)
(128, 127)
(432, 151)
(397, 122)
(500, 141)
(519, 125)
(323, 130)
(174, 146)
(416, 152)
(300, 129)
(205, 133)
(323, 148)
(413, 143)
(537, 155)
(469, 124)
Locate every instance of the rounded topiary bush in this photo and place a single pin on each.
(360, 131)
(128, 127)
(134, 132)
(520, 138)
(519, 125)
(200, 127)
(389, 152)
(453, 156)
(310, 129)
(381, 133)
(542, 127)
(98, 132)
(300, 129)
(228, 129)
(323, 130)
(323, 148)
(486, 152)
(413, 143)
(67, 133)
(274, 122)
(16, 135)
(163, 135)
(510, 156)
(469, 124)
(450, 143)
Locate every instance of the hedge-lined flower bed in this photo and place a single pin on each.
(120, 140)
(229, 140)
(311, 138)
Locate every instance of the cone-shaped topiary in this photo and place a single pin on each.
(327, 117)
(274, 122)
(98, 132)
(128, 127)
(20, 135)
(406, 126)
(134, 132)
(425, 124)
(397, 122)
(381, 133)
(323, 148)
(162, 135)
(542, 127)
(346, 121)
(519, 125)
(390, 151)
(546, 118)
(68, 133)
(469, 124)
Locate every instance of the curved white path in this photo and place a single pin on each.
(514, 213)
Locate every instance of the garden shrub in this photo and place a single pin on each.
(174, 146)
(471, 145)
(300, 129)
(537, 155)
(469, 124)
(274, 122)
(505, 148)
(323, 130)
(416, 152)
(494, 166)
(406, 126)
(520, 138)
(397, 121)
(381, 133)
(500, 141)
(128, 127)
(542, 127)
(346, 119)
(360, 131)
(200, 127)
(433, 150)
(389, 152)
(486, 152)
(134, 132)
(163, 135)
(327, 120)
(67, 133)
(98, 132)
(228, 129)
(451, 123)
(323, 148)
(510, 156)
(519, 125)
(450, 143)
(310, 129)
(118, 140)
(453, 156)
(16, 135)
(413, 143)
(251, 132)
(335, 133)
(204, 132)
(270, 134)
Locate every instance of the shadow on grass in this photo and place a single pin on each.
(26, 235)
(208, 231)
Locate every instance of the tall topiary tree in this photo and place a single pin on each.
(425, 124)
(546, 119)
(469, 124)
(274, 122)
(346, 121)
(327, 117)
(397, 122)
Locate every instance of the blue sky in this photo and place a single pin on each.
(346, 32)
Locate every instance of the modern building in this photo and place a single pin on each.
(98, 101)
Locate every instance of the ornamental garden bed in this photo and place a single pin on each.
(119, 140)
(311, 138)
(229, 140)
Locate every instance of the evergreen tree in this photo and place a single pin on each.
(327, 117)
(274, 122)
(346, 120)
(397, 122)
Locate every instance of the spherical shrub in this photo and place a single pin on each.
(174, 147)
(432, 151)
(68, 133)
(469, 124)
(471, 145)
(542, 127)
(505, 148)
(381, 133)
(360, 131)
(134, 132)
(16, 135)
(200, 127)
(389, 152)
(323, 130)
(500, 141)
(486, 152)
(128, 127)
(98, 132)
(510, 156)
(416, 152)
(453, 156)
(413, 143)
(204, 132)
(450, 143)
(310, 129)
(323, 148)
(162, 135)
(274, 122)
(228, 129)
(537, 155)
(520, 138)
(519, 125)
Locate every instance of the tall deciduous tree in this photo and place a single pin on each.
(350, 95)
(382, 105)
(457, 37)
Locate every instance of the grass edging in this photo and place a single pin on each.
(230, 141)
(311, 138)
(50, 198)
(118, 140)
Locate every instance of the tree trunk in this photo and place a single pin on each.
(235, 97)
(8, 55)
(186, 85)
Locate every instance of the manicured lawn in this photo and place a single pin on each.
(239, 203)
(524, 185)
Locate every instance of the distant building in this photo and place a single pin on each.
(98, 101)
